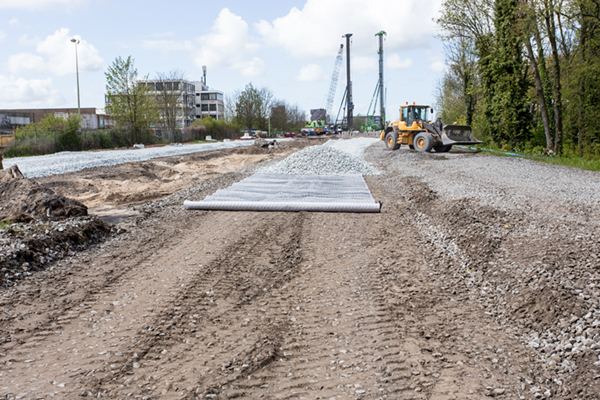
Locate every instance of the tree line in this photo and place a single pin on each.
(524, 73)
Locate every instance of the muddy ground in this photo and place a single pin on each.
(194, 304)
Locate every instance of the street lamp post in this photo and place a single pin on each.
(77, 70)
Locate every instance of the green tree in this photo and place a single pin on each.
(505, 78)
(247, 107)
(253, 107)
(582, 91)
(457, 92)
(129, 101)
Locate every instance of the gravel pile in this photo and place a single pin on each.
(355, 146)
(321, 160)
(64, 162)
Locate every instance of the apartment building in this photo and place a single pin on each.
(209, 103)
(175, 98)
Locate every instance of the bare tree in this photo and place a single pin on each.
(229, 102)
(265, 102)
(170, 101)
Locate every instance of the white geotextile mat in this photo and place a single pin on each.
(297, 188)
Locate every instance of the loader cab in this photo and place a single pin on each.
(410, 114)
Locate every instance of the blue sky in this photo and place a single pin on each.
(288, 45)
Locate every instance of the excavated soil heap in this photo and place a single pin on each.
(23, 200)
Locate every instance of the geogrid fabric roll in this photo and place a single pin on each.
(282, 192)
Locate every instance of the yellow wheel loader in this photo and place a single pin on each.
(412, 129)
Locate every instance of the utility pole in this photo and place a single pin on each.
(349, 103)
(77, 69)
(381, 93)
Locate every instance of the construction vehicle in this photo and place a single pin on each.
(316, 127)
(6, 138)
(414, 130)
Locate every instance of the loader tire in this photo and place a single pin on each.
(390, 141)
(443, 149)
(423, 142)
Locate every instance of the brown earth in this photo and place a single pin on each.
(195, 304)
(107, 191)
(23, 199)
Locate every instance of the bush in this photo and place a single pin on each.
(219, 130)
(70, 139)
(194, 132)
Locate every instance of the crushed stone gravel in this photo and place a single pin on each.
(64, 162)
(335, 159)
(520, 235)
(355, 146)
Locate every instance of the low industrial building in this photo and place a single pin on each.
(92, 118)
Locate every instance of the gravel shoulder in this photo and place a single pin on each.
(459, 289)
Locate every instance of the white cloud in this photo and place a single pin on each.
(316, 31)
(252, 68)
(56, 54)
(228, 45)
(25, 40)
(13, 22)
(437, 66)
(26, 62)
(361, 65)
(23, 93)
(311, 73)
(39, 4)
(395, 62)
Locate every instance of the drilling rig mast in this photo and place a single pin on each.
(349, 102)
(381, 92)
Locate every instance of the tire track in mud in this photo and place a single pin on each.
(45, 302)
(459, 348)
(75, 285)
(334, 319)
(204, 321)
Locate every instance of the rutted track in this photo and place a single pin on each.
(277, 305)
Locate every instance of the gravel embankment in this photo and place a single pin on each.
(333, 158)
(355, 146)
(521, 236)
(64, 162)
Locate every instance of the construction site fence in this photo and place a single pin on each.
(39, 142)
(353, 134)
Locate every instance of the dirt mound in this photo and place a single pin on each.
(25, 200)
(12, 173)
(28, 248)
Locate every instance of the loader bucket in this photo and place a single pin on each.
(458, 134)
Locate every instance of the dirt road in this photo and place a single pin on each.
(195, 304)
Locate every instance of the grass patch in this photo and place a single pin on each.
(575, 162)
(4, 224)
(585, 163)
